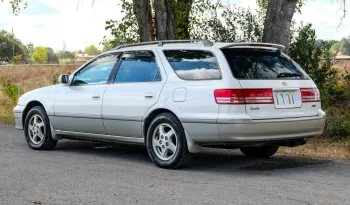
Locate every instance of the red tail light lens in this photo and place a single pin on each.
(310, 95)
(243, 96)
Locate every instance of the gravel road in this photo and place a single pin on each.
(85, 172)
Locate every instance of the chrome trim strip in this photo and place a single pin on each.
(192, 120)
(122, 118)
(75, 115)
(102, 137)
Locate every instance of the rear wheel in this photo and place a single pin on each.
(166, 142)
(37, 130)
(259, 152)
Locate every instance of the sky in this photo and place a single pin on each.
(52, 22)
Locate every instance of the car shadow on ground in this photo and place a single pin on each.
(212, 159)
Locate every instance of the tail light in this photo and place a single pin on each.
(243, 96)
(310, 95)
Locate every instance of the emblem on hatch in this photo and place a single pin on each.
(284, 83)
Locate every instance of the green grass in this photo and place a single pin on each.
(7, 119)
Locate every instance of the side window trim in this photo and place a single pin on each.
(120, 61)
(117, 55)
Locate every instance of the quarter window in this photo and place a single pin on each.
(138, 66)
(193, 64)
(96, 72)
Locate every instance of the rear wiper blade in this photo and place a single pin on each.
(286, 75)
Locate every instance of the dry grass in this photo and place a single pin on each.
(28, 78)
(342, 67)
(321, 148)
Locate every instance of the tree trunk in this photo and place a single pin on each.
(278, 21)
(142, 11)
(165, 19)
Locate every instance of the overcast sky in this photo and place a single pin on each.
(49, 22)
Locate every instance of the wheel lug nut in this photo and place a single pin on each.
(167, 144)
(160, 142)
(163, 146)
(166, 138)
(162, 137)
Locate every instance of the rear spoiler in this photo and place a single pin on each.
(256, 45)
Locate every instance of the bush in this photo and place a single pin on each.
(315, 59)
(10, 90)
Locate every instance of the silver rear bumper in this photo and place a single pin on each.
(276, 129)
(247, 131)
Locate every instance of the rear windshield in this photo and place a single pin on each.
(255, 64)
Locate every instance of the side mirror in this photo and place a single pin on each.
(63, 79)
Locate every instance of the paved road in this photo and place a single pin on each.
(82, 172)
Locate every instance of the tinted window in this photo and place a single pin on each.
(193, 64)
(96, 72)
(138, 66)
(249, 64)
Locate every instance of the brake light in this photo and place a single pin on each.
(244, 96)
(260, 44)
(310, 95)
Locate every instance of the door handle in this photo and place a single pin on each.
(96, 97)
(150, 95)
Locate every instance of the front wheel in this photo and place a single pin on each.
(166, 142)
(37, 130)
(259, 152)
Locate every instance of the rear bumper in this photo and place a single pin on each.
(272, 130)
(18, 113)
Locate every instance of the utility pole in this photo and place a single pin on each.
(13, 44)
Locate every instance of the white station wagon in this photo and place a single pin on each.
(176, 97)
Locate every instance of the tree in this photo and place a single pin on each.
(51, 56)
(91, 50)
(6, 47)
(30, 48)
(40, 54)
(233, 24)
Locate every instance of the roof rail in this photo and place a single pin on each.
(206, 43)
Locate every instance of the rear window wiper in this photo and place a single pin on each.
(286, 75)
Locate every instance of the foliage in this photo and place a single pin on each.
(262, 4)
(17, 5)
(338, 122)
(10, 90)
(225, 23)
(91, 50)
(51, 56)
(40, 54)
(65, 54)
(308, 55)
(123, 31)
(6, 47)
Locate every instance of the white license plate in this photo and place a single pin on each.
(287, 99)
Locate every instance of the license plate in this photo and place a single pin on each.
(287, 99)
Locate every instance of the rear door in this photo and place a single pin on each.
(272, 84)
(135, 89)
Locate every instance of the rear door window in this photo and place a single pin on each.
(139, 66)
(193, 64)
(255, 64)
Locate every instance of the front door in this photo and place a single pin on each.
(78, 105)
(136, 89)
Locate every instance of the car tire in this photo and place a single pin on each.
(259, 152)
(166, 142)
(37, 130)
